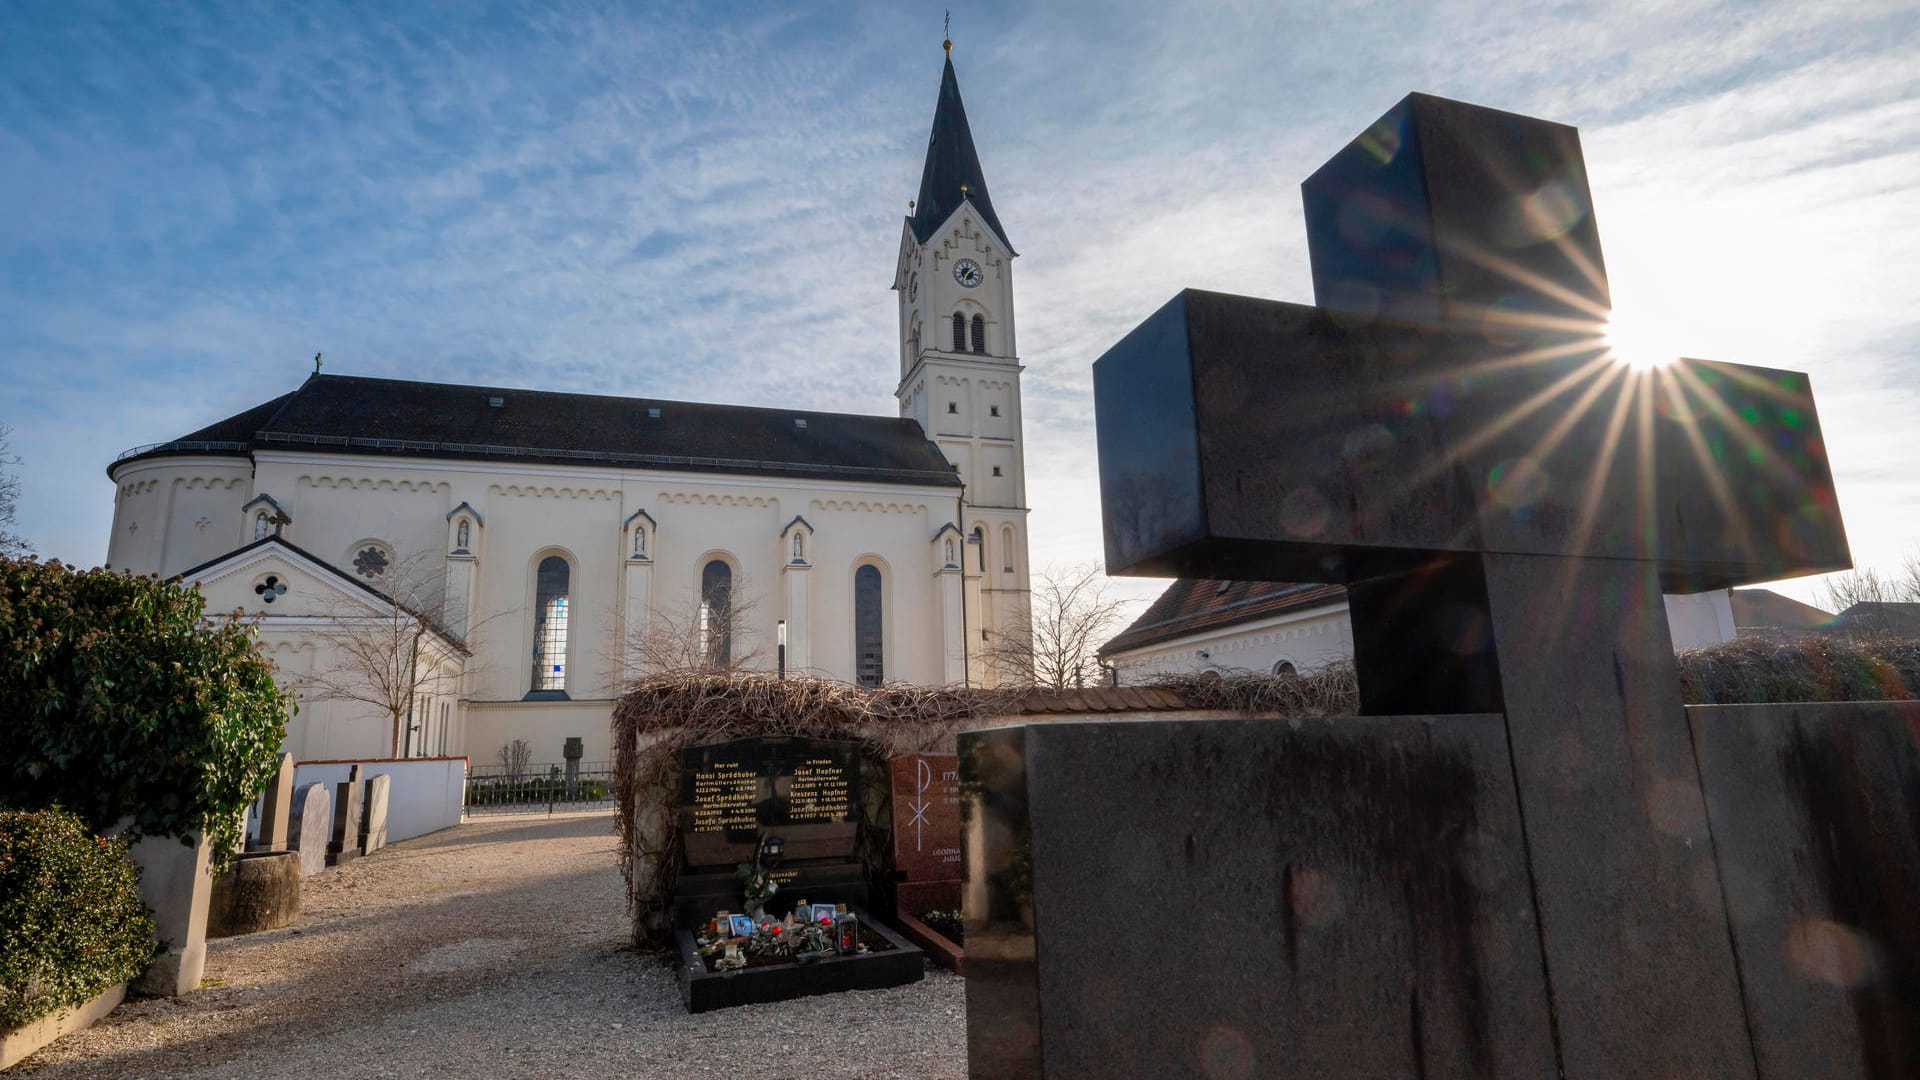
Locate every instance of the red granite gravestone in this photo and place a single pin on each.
(926, 832)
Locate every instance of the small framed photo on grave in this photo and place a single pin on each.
(822, 913)
(742, 925)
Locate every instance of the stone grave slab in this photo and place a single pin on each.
(1322, 898)
(926, 831)
(311, 827)
(1816, 819)
(373, 823)
(344, 845)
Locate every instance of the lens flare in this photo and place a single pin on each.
(1636, 344)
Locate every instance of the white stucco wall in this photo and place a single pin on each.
(424, 796)
(1306, 639)
(1310, 638)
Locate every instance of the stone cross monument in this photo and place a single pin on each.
(1449, 435)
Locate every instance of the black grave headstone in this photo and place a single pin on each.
(806, 792)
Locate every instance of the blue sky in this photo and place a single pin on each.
(704, 201)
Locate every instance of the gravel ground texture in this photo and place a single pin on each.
(497, 949)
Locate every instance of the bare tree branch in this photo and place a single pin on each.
(688, 637)
(1057, 646)
(391, 660)
(1840, 592)
(11, 543)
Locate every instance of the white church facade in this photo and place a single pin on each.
(551, 546)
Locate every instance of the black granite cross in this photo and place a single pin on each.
(1449, 436)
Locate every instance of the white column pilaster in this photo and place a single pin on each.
(798, 578)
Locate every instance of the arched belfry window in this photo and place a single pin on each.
(959, 332)
(716, 614)
(979, 334)
(551, 608)
(869, 664)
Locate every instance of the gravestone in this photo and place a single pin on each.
(311, 827)
(573, 750)
(926, 832)
(1450, 437)
(373, 822)
(276, 807)
(344, 846)
(805, 793)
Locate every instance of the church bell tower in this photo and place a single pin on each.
(960, 373)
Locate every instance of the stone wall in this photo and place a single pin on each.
(1354, 897)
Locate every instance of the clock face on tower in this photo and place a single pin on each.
(967, 272)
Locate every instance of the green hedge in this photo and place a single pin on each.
(71, 921)
(118, 701)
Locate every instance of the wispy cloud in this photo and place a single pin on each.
(663, 200)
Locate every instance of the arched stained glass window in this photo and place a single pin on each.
(979, 540)
(550, 617)
(979, 334)
(959, 332)
(716, 614)
(868, 662)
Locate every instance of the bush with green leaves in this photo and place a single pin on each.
(119, 702)
(71, 921)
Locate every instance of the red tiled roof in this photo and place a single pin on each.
(1193, 604)
(1764, 609)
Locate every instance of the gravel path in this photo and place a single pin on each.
(493, 950)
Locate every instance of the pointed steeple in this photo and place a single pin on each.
(951, 163)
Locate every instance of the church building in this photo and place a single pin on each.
(440, 570)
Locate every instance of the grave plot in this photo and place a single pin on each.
(772, 900)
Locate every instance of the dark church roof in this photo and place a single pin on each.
(1191, 605)
(951, 162)
(399, 418)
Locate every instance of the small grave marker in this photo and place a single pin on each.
(373, 823)
(926, 831)
(311, 827)
(344, 846)
(276, 807)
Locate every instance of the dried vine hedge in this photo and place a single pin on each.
(1327, 691)
(663, 715)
